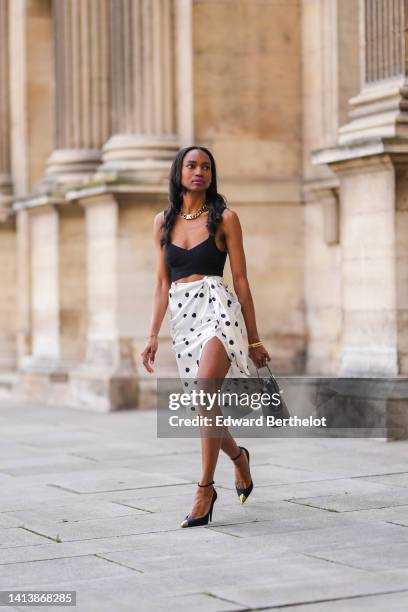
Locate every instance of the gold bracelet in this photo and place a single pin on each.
(254, 344)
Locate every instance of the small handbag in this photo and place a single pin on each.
(270, 385)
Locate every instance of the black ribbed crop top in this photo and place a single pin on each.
(203, 258)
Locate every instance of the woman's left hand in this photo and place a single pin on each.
(259, 356)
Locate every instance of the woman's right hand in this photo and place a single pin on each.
(149, 353)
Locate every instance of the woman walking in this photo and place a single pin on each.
(192, 237)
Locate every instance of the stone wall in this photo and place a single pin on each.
(310, 145)
(247, 110)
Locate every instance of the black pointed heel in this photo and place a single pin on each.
(243, 494)
(201, 520)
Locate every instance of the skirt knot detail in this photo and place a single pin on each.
(200, 310)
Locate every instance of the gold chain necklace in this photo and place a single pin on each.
(195, 214)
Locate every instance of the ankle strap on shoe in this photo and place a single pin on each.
(239, 454)
(206, 485)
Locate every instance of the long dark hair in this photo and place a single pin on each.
(215, 201)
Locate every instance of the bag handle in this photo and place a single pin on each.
(271, 376)
(265, 366)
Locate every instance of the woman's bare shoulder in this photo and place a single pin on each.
(229, 217)
(158, 222)
(159, 218)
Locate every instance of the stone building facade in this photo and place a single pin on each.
(303, 103)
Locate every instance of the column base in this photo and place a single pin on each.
(377, 112)
(146, 159)
(380, 404)
(43, 380)
(98, 388)
(70, 166)
(6, 197)
(369, 361)
(103, 389)
(9, 385)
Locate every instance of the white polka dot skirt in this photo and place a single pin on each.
(200, 310)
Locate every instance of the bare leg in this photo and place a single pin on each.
(214, 364)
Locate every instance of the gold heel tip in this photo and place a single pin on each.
(242, 498)
(185, 522)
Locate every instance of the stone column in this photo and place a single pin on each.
(135, 167)
(143, 90)
(107, 379)
(50, 248)
(5, 161)
(330, 76)
(51, 251)
(23, 284)
(7, 221)
(30, 119)
(82, 95)
(45, 281)
(31, 92)
(39, 367)
(380, 109)
(371, 162)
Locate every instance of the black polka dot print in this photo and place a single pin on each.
(206, 302)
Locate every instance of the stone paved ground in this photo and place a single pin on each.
(325, 528)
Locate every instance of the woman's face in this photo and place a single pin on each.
(196, 171)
